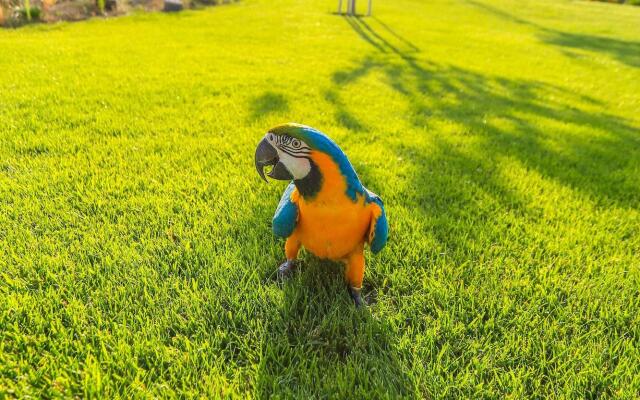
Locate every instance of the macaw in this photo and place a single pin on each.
(325, 207)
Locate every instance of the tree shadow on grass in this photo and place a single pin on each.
(267, 103)
(567, 137)
(405, 41)
(342, 114)
(625, 51)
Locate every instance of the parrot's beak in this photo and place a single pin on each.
(266, 155)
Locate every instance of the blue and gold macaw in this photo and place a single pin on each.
(325, 208)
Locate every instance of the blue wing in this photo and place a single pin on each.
(379, 228)
(286, 216)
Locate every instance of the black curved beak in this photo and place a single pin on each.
(265, 155)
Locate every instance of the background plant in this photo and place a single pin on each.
(27, 10)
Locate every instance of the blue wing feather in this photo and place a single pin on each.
(379, 229)
(286, 216)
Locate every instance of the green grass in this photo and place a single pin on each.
(136, 254)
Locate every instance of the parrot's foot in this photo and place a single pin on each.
(356, 296)
(286, 269)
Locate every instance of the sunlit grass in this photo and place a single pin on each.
(136, 255)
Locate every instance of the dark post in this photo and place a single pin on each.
(172, 5)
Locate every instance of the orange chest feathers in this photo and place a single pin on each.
(331, 225)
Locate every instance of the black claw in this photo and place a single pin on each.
(356, 296)
(286, 269)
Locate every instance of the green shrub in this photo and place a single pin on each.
(27, 9)
(28, 13)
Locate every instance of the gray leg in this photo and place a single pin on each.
(356, 296)
(286, 269)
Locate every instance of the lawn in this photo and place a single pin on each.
(136, 253)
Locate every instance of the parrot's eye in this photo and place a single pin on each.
(295, 143)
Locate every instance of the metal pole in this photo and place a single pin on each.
(369, 9)
(339, 6)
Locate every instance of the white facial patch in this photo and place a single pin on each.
(292, 154)
(298, 167)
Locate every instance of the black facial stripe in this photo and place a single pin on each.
(283, 140)
(311, 184)
(296, 154)
(296, 149)
(285, 144)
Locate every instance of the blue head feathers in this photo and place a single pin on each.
(321, 142)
